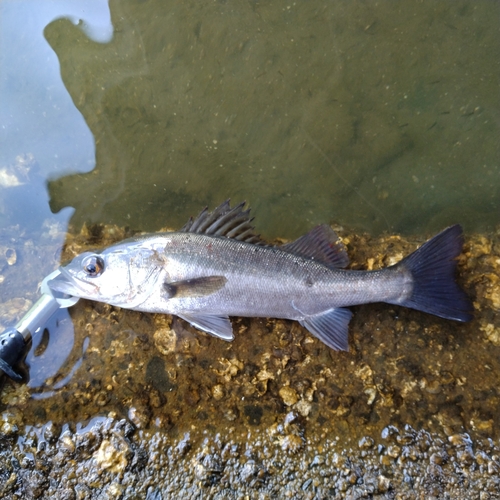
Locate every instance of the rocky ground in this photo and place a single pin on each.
(148, 407)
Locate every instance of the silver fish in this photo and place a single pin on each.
(216, 267)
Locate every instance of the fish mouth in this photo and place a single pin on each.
(68, 284)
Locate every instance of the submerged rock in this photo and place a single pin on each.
(158, 409)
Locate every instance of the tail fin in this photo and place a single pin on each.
(433, 268)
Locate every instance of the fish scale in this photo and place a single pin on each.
(217, 267)
(277, 282)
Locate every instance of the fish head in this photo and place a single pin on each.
(119, 275)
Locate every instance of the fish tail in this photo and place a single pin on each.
(433, 268)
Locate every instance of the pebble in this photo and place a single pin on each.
(288, 395)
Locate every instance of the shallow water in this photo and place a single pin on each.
(378, 119)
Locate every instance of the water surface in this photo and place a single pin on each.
(377, 118)
(374, 117)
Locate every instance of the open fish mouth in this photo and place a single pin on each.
(66, 283)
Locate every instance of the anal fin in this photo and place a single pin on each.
(219, 326)
(331, 327)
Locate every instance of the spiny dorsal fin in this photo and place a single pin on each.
(321, 244)
(224, 221)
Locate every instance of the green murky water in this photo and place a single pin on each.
(382, 118)
(378, 118)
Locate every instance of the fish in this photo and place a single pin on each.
(217, 267)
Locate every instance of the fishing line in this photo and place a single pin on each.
(344, 180)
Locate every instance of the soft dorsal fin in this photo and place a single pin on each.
(224, 221)
(321, 244)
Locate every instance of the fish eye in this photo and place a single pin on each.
(93, 265)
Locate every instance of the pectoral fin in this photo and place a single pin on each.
(331, 327)
(219, 326)
(195, 287)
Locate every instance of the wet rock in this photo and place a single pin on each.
(51, 432)
(10, 422)
(112, 455)
(389, 431)
(291, 443)
(123, 427)
(411, 410)
(383, 483)
(114, 490)
(249, 471)
(366, 442)
(139, 416)
(184, 445)
(303, 407)
(494, 467)
(34, 483)
(460, 440)
(165, 340)
(492, 333)
(393, 451)
(306, 484)
(438, 458)
(288, 395)
(290, 419)
(208, 468)
(317, 460)
(67, 443)
(218, 392)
